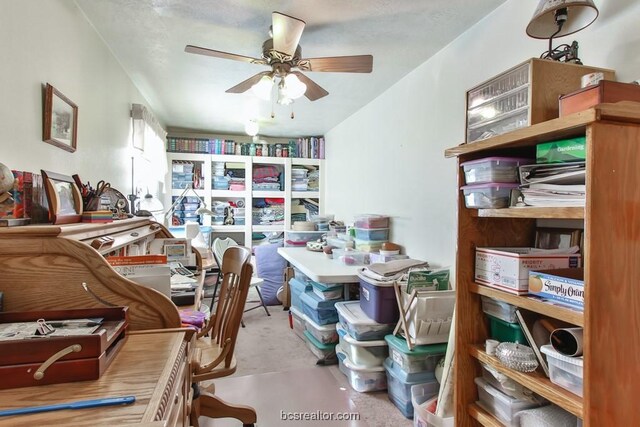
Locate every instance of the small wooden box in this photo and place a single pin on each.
(20, 360)
(604, 91)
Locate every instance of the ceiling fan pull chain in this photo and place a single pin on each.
(292, 115)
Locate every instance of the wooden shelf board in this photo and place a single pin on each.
(532, 304)
(571, 125)
(531, 212)
(483, 417)
(227, 228)
(535, 381)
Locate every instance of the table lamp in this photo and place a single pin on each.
(557, 18)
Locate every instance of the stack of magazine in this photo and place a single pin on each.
(553, 185)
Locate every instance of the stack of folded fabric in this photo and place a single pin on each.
(266, 178)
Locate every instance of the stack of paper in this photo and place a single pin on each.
(553, 185)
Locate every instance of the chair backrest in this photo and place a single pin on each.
(220, 245)
(236, 271)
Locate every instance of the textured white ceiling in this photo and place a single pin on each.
(188, 91)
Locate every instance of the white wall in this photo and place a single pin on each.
(51, 41)
(388, 157)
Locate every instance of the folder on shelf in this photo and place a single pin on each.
(553, 173)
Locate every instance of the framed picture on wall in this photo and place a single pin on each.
(60, 120)
(64, 197)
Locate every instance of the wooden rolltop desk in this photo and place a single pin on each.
(45, 267)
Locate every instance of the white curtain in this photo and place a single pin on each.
(149, 137)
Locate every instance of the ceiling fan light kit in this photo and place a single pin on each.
(283, 54)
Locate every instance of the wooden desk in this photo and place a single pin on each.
(153, 366)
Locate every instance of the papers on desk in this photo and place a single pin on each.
(553, 185)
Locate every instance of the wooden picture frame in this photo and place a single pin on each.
(60, 120)
(557, 238)
(64, 198)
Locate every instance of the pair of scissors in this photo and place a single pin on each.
(101, 187)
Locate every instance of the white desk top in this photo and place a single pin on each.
(318, 267)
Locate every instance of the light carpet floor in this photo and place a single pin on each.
(269, 351)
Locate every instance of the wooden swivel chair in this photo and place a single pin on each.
(222, 328)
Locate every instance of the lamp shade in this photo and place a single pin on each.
(251, 127)
(543, 25)
(294, 87)
(263, 88)
(151, 204)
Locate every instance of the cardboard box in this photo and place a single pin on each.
(604, 91)
(564, 150)
(507, 269)
(564, 286)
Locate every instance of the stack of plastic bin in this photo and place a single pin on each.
(411, 368)
(371, 231)
(362, 349)
(318, 302)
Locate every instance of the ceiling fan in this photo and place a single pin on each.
(283, 54)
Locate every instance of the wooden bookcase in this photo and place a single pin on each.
(611, 317)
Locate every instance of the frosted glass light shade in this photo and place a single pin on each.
(263, 88)
(294, 87)
(251, 127)
(580, 14)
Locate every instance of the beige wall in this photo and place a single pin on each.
(51, 41)
(393, 148)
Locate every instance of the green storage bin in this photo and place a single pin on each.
(505, 331)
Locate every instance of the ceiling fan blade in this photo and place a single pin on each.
(344, 64)
(287, 31)
(246, 85)
(224, 55)
(314, 91)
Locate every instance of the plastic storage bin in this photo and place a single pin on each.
(367, 354)
(298, 287)
(506, 332)
(320, 311)
(493, 169)
(358, 324)
(361, 379)
(350, 257)
(509, 386)
(368, 245)
(399, 384)
(371, 221)
(300, 238)
(499, 309)
(326, 334)
(499, 404)
(423, 358)
(487, 196)
(326, 353)
(298, 321)
(327, 291)
(378, 300)
(379, 234)
(565, 371)
(424, 409)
